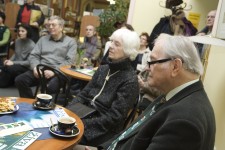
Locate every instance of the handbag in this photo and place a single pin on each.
(82, 110)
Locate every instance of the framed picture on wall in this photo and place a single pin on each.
(219, 23)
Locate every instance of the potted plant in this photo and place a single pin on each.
(114, 15)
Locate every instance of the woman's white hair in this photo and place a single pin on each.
(130, 41)
(183, 48)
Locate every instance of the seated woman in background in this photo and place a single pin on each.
(143, 52)
(18, 63)
(148, 93)
(112, 91)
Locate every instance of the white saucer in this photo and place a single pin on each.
(54, 130)
(10, 112)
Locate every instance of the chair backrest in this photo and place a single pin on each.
(43, 82)
(131, 116)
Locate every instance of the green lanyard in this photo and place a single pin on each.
(137, 124)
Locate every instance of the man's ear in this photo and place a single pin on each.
(177, 66)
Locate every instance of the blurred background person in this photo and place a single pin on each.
(53, 50)
(206, 31)
(4, 36)
(18, 63)
(209, 23)
(147, 93)
(24, 16)
(91, 46)
(143, 53)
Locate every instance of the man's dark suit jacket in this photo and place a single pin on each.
(185, 122)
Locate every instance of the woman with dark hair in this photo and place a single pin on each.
(18, 63)
(24, 16)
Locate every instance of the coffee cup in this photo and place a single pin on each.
(66, 124)
(43, 99)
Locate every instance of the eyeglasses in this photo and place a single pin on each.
(53, 25)
(159, 61)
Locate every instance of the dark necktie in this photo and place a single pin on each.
(147, 115)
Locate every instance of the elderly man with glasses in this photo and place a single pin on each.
(182, 118)
(53, 50)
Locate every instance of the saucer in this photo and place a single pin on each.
(54, 130)
(49, 107)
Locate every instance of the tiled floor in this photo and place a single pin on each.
(10, 91)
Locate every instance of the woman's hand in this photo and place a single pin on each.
(141, 82)
(8, 63)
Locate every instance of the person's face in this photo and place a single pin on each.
(90, 31)
(22, 33)
(143, 41)
(116, 50)
(159, 73)
(210, 18)
(54, 27)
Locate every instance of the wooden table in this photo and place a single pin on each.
(74, 74)
(56, 143)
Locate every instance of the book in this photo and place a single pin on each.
(89, 72)
(18, 141)
(39, 119)
(12, 128)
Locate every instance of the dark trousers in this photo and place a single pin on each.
(25, 81)
(9, 73)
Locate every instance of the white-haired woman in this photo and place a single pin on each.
(112, 90)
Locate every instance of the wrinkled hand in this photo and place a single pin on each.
(48, 74)
(8, 63)
(141, 82)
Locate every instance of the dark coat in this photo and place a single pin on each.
(163, 26)
(185, 122)
(113, 104)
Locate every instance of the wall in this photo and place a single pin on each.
(146, 14)
(214, 85)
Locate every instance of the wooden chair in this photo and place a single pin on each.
(61, 96)
(131, 116)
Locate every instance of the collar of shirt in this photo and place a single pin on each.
(59, 40)
(179, 88)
